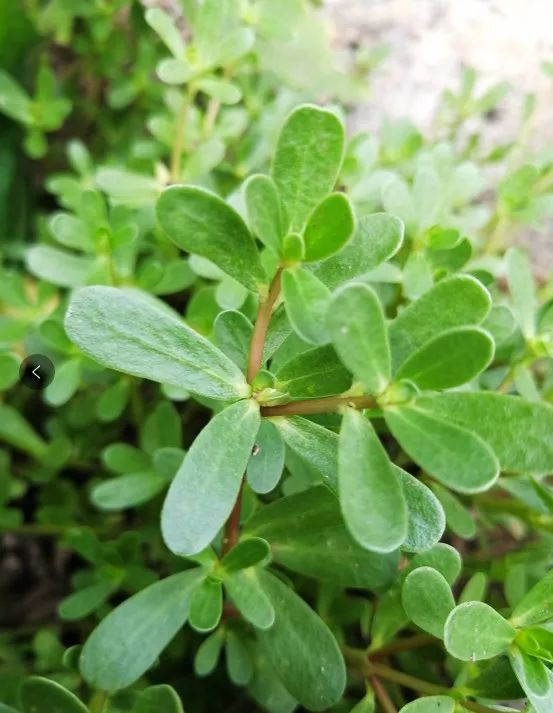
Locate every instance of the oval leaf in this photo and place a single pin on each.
(427, 599)
(206, 486)
(306, 299)
(329, 227)
(41, 695)
(250, 599)
(425, 515)
(536, 606)
(136, 334)
(264, 211)
(267, 459)
(474, 631)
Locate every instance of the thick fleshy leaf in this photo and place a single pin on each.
(246, 554)
(450, 359)
(203, 224)
(250, 599)
(535, 679)
(265, 211)
(536, 606)
(206, 605)
(302, 649)
(128, 490)
(427, 599)
(459, 519)
(328, 228)
(136, 334)
(166, 28)
(522, 289)
(238, 659)
(474, 631)
(314, 444)
(443, 558)
(307, 160)
(518, 431)
(207, 654)
(425, 515)
(452, 454)
(371, 494)
(159, 699)
(206, 486)
(59, 267)
(430, 704)
(130, 638)
(306, 299)
(233, 333)
(454, 302)
(356, 325)
(41, 695)
(307, 534)
(267, 460)
(377, 238)
(316, 372)
(85, 600)
(18, 432)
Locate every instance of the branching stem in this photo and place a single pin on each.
(323, 405)
(262, 320)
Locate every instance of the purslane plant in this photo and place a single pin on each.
(350, 391)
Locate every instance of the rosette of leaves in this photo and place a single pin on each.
(324, 384)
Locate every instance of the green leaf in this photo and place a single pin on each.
(174, 71)
(267, 459)
(59, 267)
(329, 227)
(452, 454)
(127, 491)
(452, 358)
(85, 601)
(522, 289)
(454, 302)
(536, 606)
(365, 705)
(226, 92)
(65, 384)
(535, 679)
(427, 599)
(307, 534)
(246, 554)
(208, 654)
(314, 444)
(356, 324)
(143, 624)
(425, 516)
(306, 299)
(159, 699)
(14, 102)
(388, 619)
(41, 695)
(376, 239)
(112, 402)
(303, 651)
(458, 518)
(9, 370)
(206, 486)
(371, 494)
(444, 558)
(518, 431)
(206, 605)
(239, 662)
(536, 641)
(246, 592)
(430, 704)
(264, 211)
(18, 432)
(474, 631)
(315, 372)
(474, 589)
(307, 161)
(233, 334)
(164, 25)
(139, 335)
(203, 224)
(122, 458)
(293, 248)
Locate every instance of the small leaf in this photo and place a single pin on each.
(41, 695)
(452, 454)
(206, 605)
(127, 491)
(474, 631)
(250, 599)
(535, 679)
(519, 432)
(159, 699)
(452, 358)
(206, 486)
(425, 516)
(233, 333)
(267, 459)
(474, 589)
(458, 518)
(314, 444)
(430, 704)
(376, 239)
(226, 92)
(427, 600)
(138, 335)
(536, 642)
(522, 289)
(208, 654)
(453, 302)
(239, 662)
(143, 624)
(203, 224)
(14, 102)
(315, 372)
(306, 299)
(59, 267)
(307, 160)
(441, 557)
(18, 432)
(307, 534)
(84, 601)
(356, 324)
(536, 607)
(328, 228)
(122, 458)
(371, 495)
(166, 28)
(293, 248)
(264, 211)
(246, 554)
(303, 651)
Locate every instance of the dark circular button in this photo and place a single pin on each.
(36, 372)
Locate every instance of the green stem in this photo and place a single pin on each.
(323, 405)
(180, 127)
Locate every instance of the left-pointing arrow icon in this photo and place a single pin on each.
(36, 372)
